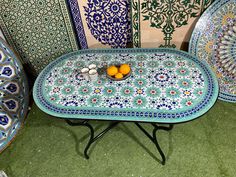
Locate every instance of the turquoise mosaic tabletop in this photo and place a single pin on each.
(165, 86)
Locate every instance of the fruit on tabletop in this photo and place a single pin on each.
(112, 70)
(124, 69)
(119, 76)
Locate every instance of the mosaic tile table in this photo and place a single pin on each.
(166, 86)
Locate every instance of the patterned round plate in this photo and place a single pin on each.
(14, 95)
(214, 40)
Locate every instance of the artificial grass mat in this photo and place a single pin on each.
(48, 147)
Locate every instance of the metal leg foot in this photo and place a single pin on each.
(153, 137)
(92, 138)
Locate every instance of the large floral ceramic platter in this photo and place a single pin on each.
(214, 40)
(101, 24)
(165, 85)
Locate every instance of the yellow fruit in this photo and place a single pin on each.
(119, 76)
(124, 69)
(112, 70)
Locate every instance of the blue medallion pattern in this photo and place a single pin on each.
(13, 95)
(77, 21)
(109, 22)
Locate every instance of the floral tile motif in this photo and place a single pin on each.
(214, 40)
(164, 23)
(39, 30)
(101, 24)
(163, 92)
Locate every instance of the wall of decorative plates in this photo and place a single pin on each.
(101, 24)
(166, 23)
(14, 95)
(40, 30)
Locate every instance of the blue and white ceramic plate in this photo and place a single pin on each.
(214, 40)
(14, 95)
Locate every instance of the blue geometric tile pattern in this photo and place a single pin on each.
(13, 95)
(165, 85)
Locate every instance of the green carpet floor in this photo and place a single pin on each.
(48, 147)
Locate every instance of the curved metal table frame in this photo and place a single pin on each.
(93, 138)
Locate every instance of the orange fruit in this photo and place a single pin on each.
(119, 76)
(124, 69)
(112, 70)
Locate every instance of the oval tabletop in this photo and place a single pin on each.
(165, 86)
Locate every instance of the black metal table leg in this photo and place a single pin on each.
(153, 137)
(92, 137)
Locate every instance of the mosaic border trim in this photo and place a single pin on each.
(135, 24)
(68, 25)
(127, 115)
(77, 21)
(196, 34)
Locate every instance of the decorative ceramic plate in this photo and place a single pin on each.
(14, 95)
(214, 40)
